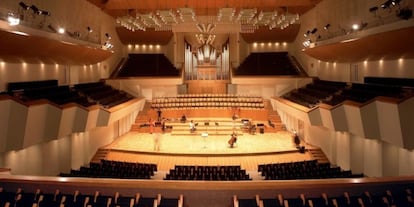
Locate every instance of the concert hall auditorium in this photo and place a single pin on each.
(206, 103)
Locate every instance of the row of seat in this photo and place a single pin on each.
(267, 63)
(208, 104)
(303, 170)
(217, 173)
(315, 93)
(208, 99)
(103, 94)
(85, 94)
(114, 169)
(388, 198)
(333, 93)
(19, 198)
(148, 65)
(212, 95)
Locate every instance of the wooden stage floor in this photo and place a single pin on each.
(249, 151)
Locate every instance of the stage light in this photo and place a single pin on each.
(355, 26)
(307, 43)
(306, 34)
(45, 13)
(61, 30)
(327, 26)
(89, 29)
(24, 6)
(108, 36)
(13, 20)
(35, 9)
(386, 4)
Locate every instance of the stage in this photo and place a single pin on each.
(167, 150)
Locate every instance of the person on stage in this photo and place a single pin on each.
(232, 140)
(157, 138)
(192, 126)
(163, 120)
(151, 125)
(183, 118)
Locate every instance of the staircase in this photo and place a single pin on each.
(274, 122)
(317, 154)
(142, 118)
(100, 154)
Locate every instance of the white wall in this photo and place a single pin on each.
(62, 154)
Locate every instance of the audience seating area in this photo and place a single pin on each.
(388, 81)
(148, 65)
(20, 198)
(197, 101)
(387, 198)
(333, 93)
(267, 63)
(103, 94)
(85, 94)
(47, 89)
(303, 170)
(216, 173)
(114, 169)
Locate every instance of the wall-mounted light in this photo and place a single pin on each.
(89, 29)
(314, 30)
(326, 27)
(108, 36)
(306, 33)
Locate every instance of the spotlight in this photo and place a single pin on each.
(108, 45)
(355, 26)
(35, 9)
(13, 20)
(24, 6)
(306, 34)
(61, 30)
(45, 13)
(395, 2)
(307, 43)
(89, 29)
(107, 36)
(314, 30)
(386, 4)
(327, 26)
